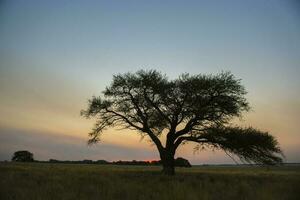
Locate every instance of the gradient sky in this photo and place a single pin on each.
(54, 55)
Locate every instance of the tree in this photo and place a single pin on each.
(22, 156)
(191, 108)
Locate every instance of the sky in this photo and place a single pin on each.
(55, 55)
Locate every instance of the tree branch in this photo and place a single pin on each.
(181, 139)
(144, 129)
(156, 107)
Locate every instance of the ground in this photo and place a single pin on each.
(75, 181)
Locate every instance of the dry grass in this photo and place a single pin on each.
(64, 181)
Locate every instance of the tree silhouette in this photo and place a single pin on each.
(191, 108)
(22, 156)
(181, 162)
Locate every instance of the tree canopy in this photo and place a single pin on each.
(23, 156)
(191, 108)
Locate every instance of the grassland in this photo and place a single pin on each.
(66, 181)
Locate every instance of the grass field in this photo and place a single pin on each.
(32, 181)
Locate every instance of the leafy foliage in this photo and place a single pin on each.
(249, 144)
(23, 156)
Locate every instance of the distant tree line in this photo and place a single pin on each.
(78, 161)
(179, 162)
(26, 156)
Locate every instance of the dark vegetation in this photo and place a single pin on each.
(23, 156)
(191, 108)
(179, 162)
(47, 181)
(26, 156)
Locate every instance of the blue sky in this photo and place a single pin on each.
(54, 55)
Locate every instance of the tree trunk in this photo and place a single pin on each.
(168, 163)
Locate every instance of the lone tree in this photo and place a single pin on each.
(22, 156)
(191, 108)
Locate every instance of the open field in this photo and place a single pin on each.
(68, 181)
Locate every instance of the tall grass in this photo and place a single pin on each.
(67, 181)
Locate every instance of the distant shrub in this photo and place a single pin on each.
(23, 156)
(181, 162)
